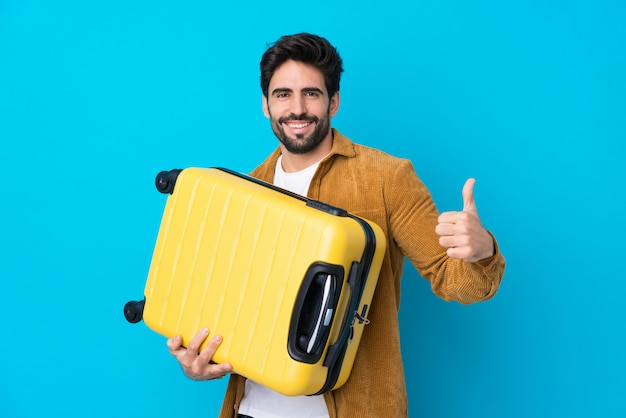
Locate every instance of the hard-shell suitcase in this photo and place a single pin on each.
(285, 280)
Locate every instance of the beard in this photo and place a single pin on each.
(301, 144)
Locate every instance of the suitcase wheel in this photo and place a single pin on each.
(133, 311)
(166, 180)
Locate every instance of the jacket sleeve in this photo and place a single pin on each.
(233, 396)
(413, 218)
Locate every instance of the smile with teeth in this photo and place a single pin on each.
(298, 125)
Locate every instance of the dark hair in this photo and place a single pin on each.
(307, 48)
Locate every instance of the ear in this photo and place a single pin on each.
(266, 109)
(334, 105)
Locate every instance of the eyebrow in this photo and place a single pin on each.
(288, 90)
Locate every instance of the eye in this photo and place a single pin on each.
(312, 94)
(281, 93)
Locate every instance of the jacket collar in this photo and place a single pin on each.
(342, 146)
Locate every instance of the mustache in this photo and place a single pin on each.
(303, 117)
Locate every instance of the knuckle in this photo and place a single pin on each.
(196, 369)
(186, 362)
(194, 347)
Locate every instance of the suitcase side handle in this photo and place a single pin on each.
(313, 312)
(324, 312)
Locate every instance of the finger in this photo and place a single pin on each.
(222, 369)
(456, 222)
(209, 350)
(197, 340)
(449, 217)
(205, 371)
(459, 253)
(445, 229)
(447, 241)
(455, 240)
(175, 343)
(468, 196)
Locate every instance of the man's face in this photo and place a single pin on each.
(299, 108)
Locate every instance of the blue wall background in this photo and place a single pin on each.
(527, 96)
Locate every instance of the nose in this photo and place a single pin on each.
(298, 105)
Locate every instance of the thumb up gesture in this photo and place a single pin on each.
(462, 232)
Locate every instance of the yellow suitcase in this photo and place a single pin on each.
(287, 281)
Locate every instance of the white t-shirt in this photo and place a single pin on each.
(259, 401)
